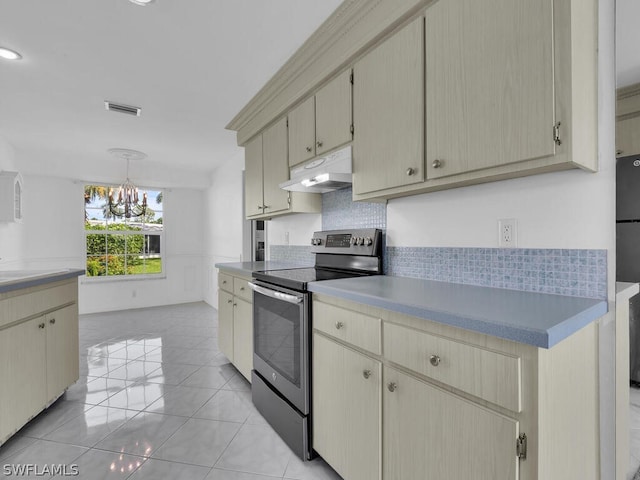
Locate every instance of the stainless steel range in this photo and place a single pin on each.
(282, 323)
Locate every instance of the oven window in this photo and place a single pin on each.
(277, 336)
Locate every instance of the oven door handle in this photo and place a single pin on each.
(274, 294)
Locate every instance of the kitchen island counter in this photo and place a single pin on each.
(11, 280)
(537, 319)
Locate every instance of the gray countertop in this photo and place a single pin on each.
(246, 268)
(536, 319)
(16, 279)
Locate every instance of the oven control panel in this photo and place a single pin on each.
(360, 241)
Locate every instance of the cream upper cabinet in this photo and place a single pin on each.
(253, 182)
(275, 167)
(266, 167)
(322, 122)
(333, 113)
(388, 113)
(489, 84)
(429, 433)
(302, 132)
(628, 137)
(347, 405)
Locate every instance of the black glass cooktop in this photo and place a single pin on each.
(298, 278)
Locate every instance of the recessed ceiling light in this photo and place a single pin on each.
(9, 54)
(142, 3)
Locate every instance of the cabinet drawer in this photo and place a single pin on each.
(355, 328)
(490, 375)
(225, 282)
(242, 290)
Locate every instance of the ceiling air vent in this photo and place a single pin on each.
(118, 107)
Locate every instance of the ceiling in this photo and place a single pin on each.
(191, 65)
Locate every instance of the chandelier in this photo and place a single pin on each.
(127, 204)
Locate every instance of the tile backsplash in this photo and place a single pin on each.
(572, 272)
(578, 273)
(340, 211)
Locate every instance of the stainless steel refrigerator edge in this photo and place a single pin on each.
(628, 247)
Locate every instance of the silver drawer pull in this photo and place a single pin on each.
(437, 163)
(52, 321)
(309, 149)
(434, 360)
(366, 374)
(339, 325)
(242, 289)
(392, 386)
(41, 325)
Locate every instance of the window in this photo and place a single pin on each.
(121, 247)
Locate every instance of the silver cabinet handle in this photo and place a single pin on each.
(437, 163)
(275, 294)
(242, 289)
(224, 282)
(392, 386)
(235, 304)
(366, 374)
(41, 325)
(309, 149)
(434, 360)
(410, 171)
(319, 143)
(339, 325)
(52, 321)
(229, 301)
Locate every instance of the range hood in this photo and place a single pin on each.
(323, 174)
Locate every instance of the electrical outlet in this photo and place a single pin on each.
(507, 233)
(286, 238)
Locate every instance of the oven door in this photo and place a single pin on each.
(281, 339)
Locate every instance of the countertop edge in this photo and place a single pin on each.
(41, 280)
(534, 337)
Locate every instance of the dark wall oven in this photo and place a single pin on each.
(282, 323)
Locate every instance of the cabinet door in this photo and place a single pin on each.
(302, 132)
(253, 199)
(628, 137)
(22, 370)
(388, 113)
(429, 433)
(333, 114)
(346, 406)
(225, 323)
(62, 350)
(490, 101)
(275, 166)
(243, 337)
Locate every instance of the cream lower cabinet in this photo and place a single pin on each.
(430, 433)
(451, 404)
(346, 406)
(62, 345)
(235, 322)
(39, 355)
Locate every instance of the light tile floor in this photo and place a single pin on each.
(157, 400)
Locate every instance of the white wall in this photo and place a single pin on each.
(294, 229)
(223, 216)
(11, 234)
